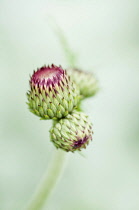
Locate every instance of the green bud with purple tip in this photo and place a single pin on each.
(52, 94)
(72, 133)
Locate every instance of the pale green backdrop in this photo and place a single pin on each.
(105, 36)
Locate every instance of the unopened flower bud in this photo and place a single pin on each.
(72, 133)
(86, 82)
(52, 94)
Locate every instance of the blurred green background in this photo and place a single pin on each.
(105, 36)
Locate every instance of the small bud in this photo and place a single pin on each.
(52, 95)
(72, 133)
(86, 82)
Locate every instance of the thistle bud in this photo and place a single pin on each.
(52, 94)
(86, 82)
(72, 133)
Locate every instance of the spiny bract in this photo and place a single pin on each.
(86, 82)
(72, 133)
(52, 94)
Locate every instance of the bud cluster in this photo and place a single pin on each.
(55, 95)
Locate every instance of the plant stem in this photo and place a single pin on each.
(48, 182)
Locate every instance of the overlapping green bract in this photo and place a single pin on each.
(86, 82)
(72, 133)
(55, 100)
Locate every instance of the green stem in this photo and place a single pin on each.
(48, 182)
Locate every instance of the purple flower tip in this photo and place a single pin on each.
(80, 142)
(47, 75)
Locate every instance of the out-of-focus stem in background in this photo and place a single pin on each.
(70, 56)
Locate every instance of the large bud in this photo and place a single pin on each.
(86, 82)
(52, 94)
(72, 133)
